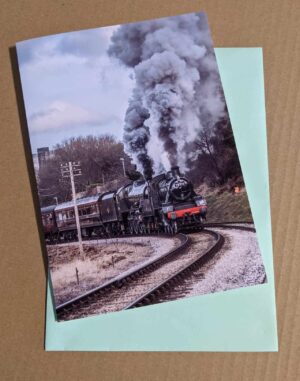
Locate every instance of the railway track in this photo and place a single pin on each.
(153, 295)
(142, 286)
(102, 298)
(157, 294)
(231, 225)
(152, 234)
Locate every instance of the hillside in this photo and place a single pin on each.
(227, 206)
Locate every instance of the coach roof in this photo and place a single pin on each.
(79, 202)
(48, 209)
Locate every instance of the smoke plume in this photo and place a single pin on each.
(137, 135)
(177, 92)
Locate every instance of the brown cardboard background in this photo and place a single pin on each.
(272, 24)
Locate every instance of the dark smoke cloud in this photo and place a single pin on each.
(136, 134)
(178, 89)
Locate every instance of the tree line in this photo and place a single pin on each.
(214, 162)
(217, 162)
(99, 158)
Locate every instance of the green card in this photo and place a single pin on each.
(243, 319)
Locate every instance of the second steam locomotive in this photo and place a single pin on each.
(167, 202)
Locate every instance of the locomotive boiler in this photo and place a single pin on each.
(181, 207)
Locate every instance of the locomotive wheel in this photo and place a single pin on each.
(168, 229)
(175, 227)
(172, 229)
(131, 230)
(148, 228)
(136, 229)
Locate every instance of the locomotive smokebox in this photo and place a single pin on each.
(175, 171)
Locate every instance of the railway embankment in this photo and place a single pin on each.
(226, 205)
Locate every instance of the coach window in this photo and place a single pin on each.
(93, 209)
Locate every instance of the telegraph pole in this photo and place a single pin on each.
(70, 170)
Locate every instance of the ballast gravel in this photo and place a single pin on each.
(238, 264)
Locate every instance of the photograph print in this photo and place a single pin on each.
(142, 196)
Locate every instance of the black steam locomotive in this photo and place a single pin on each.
(166, 202)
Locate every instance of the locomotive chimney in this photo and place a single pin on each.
(175, 171)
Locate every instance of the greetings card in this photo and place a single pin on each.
(143, 199)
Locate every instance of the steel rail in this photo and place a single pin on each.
(126, 276)
(150, 296)
(118, 281)
(154, 234)
(231, 225)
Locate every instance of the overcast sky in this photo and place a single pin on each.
(71, 86)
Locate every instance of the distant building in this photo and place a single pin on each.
(43, 154)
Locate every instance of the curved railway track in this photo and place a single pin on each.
(156, 295)
(140, 287)
(231, 225)
(102, 297)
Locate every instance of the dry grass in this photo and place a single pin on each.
(104, 259)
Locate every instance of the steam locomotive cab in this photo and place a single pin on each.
(181, 207)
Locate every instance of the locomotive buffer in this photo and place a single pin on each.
(70, 170)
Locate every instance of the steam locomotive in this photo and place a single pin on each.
(166, 202)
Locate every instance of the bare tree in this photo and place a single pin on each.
(100, 163)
